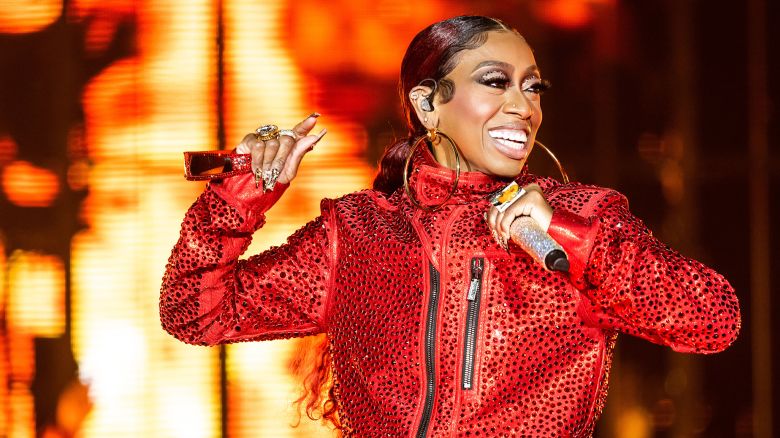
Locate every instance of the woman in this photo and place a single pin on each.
(435, 326)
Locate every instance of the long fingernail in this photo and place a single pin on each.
(258, 176)
(500, 240)
(274, 177)
(266, 179)
(495, 237)
(314, 114)
(319, 137)
(271, 183)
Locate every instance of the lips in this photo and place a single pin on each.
(510, 141)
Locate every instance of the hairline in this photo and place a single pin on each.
(446, 86)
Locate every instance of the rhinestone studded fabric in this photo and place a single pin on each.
(397, 292)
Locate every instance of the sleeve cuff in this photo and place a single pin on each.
(250, 201)
(576, 234)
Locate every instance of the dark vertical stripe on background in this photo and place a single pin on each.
(758, 150)
(220, 96)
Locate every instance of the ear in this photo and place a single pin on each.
(429, 119)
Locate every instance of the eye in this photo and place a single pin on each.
(495, 79)
(536, 85)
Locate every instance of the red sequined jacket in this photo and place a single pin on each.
(434, 329)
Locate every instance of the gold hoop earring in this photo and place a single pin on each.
(433, 136)
(564, 175)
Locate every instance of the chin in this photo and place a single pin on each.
(500, 165)
(506, 170)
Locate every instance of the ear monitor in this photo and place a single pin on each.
(426, 104)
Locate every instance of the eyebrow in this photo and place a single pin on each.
(505, 65)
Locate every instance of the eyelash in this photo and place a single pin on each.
(494, 79)
(497, 79)
(539, 86)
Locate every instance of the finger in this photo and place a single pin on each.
(538, 207)
(492, 217)
(533, 187)
(532, 204)
(258, 150)
(300, 149)
(286, 144)
(246, 144)
(517, 208)
(271, 147)
(303, 128)
(506, 220)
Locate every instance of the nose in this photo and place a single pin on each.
(518, 104)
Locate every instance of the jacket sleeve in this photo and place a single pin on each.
(635, 284)
(209, 296)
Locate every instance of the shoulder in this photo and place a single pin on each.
(360, 203)
(583, 199)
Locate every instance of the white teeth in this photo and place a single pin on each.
(512, 135)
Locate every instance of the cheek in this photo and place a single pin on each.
(538, 112)
(472, 108)
(481, 109)
(536, 118)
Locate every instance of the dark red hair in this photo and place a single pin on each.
(430, 57)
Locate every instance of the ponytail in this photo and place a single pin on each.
(312, 365)
(390, 176)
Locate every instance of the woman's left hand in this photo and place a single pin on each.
(281, 155)
(532, 203)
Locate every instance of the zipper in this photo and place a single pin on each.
(472, 321)
(430, 353)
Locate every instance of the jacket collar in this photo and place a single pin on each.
(431, 183)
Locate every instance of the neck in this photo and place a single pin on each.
(445, 156)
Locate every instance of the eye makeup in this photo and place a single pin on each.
(494, 78)
(534, 84)
(500, 79)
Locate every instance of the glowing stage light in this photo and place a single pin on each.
(27, 185)
(36, 303)
(569, 14)
(24, 16)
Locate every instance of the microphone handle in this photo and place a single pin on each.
(529, 236)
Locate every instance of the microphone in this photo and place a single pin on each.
(528, 235)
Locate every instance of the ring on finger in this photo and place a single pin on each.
(289, 133)
(267, 132)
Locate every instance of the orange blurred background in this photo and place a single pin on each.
(99, 100)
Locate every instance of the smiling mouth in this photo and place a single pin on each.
(510, 142)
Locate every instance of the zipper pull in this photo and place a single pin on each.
(477, 265)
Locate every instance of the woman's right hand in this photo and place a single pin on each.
(283, 154)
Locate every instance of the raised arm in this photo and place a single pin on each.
(635, 284)
(209, 296)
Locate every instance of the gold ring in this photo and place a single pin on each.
(267, 132)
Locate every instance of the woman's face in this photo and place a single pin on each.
(495, 110)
